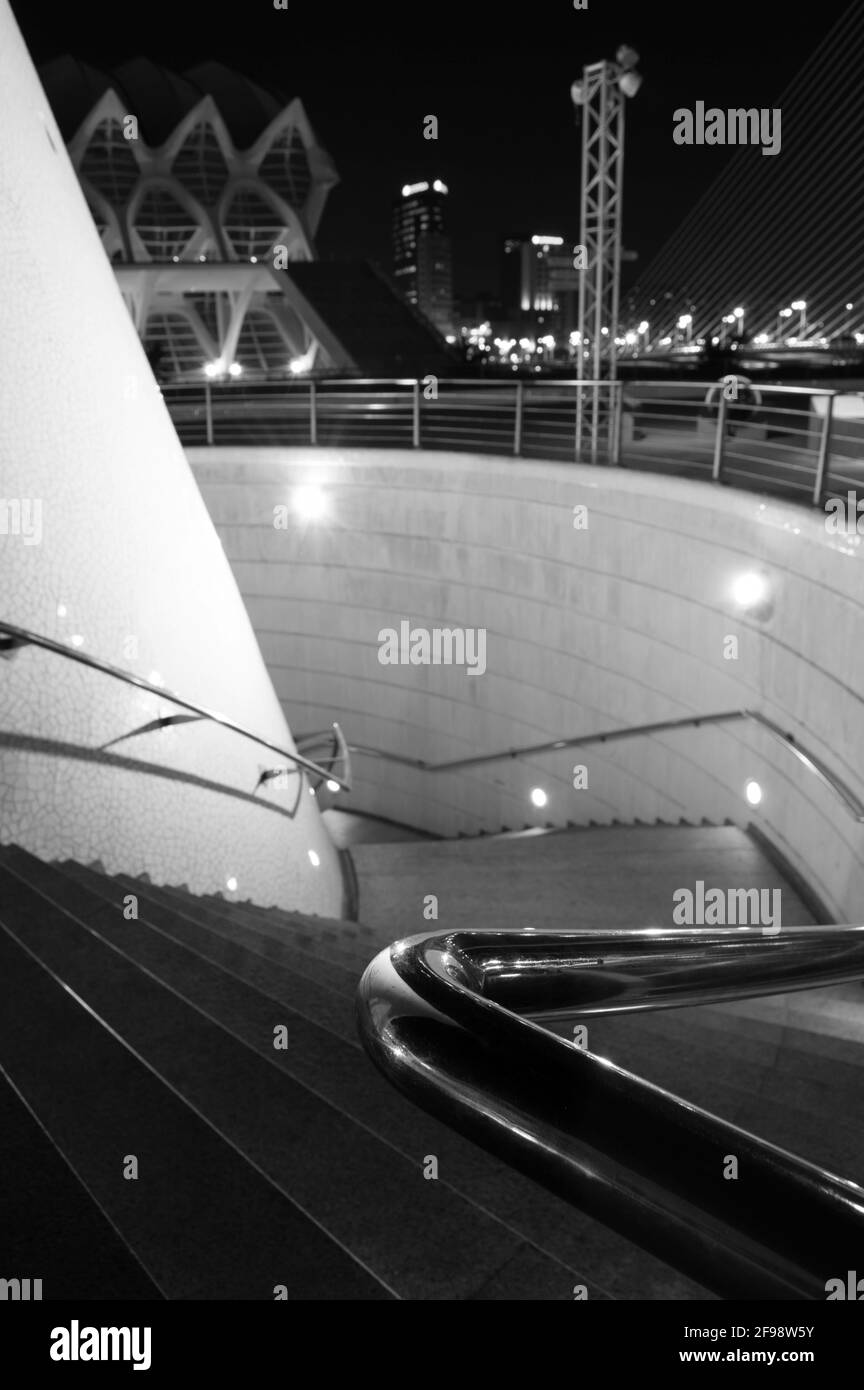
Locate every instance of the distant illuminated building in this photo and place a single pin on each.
(422, 251)
(527, 273)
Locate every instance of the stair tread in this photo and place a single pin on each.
(100, 1103)
(421, 1238)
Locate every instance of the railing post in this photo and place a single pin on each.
(579, 421)
(313, 414)
(824, 446)
(617, 405)
(719, 437)
(416, 415)
(517, 426)
(208, 412)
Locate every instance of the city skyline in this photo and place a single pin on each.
(508, 141)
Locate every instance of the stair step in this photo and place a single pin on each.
(78, 1257)
(201, 1220)
(321, 945)
(421, 1239)
(325, 1055)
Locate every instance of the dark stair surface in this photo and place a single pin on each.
(300, 1167)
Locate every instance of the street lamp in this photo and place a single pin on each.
(800, 307)
(686, 322)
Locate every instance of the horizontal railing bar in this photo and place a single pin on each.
(831, 780)
(24, 637)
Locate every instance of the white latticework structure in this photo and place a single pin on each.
(197, 230)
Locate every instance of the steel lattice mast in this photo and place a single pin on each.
(601, 95)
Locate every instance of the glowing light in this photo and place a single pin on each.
(77, 640)
(304, 363)
(440, 187)
(309, 503)
(750, 589)
(212, 369)
(799, 304)
(538, 797)
(235, 369)
(231, 884)
(630, 82)
(410, 188)
(643, 327)
(685, 320)
(331, 785)
(314, 859)
(547, 241)
(753, 793)
(61, 610)
(155, 679)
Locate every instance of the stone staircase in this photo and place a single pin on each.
(211, 1046)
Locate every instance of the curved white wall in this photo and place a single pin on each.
(621, 623)
(126, 559)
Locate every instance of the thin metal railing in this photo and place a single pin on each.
(16, 637)
(774, 439)
(455, 1021)
(834, 783)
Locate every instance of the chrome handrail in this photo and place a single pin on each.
(831, 780)
(454, 1021)
(24, 637)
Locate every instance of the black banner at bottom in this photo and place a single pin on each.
(158, 1340)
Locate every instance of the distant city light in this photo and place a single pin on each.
(547, 241)
(799, 304)
(440, 187)
(409, 188)
(685, 320)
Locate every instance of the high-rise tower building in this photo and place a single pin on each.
(422, 253)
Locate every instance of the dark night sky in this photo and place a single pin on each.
(498, 79)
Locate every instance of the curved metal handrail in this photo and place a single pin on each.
(24, 637)
(454, 1021)
(829, 779)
